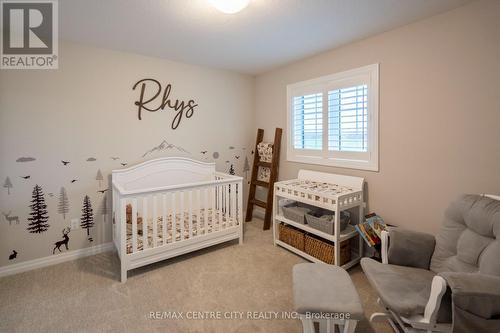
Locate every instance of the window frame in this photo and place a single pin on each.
(369, 160)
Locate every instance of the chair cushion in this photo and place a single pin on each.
(469, 239)
(405, 290)
(325, 288)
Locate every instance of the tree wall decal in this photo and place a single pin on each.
(99, 177)
(7, 184)
(103, 209)
(87, 219)
(246, 167)
(63, 207)
(38, 216)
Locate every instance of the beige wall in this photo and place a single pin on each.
(439, 111)
(86, 109)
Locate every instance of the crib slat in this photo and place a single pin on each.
(219, 222)
(205, 220)
(190, 214)
(226, 214)
(145, 223)
(122, 225)
(116, 221)
(113, 226)
(215, 216)
(174, 219)
(198, 212)
(181, 213)
(134, 225)
(239, 211)
(213, 199)
(233, 204)
(164, 218)
(113, 217)
(155, 221)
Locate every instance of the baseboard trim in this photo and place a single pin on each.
(54, 259)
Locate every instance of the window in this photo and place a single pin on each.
(333, 120)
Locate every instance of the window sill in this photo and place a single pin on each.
(336, 162)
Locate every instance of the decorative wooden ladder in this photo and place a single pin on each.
(273, 177)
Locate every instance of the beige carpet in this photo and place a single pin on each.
(85, 295)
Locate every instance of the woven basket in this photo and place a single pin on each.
(324, 250)
(292, 236)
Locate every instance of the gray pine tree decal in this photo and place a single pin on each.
(246, 167)
(87, 219)
(38, 220)
(7, 184)
(99, 177)
(103, 209)
(63, 207)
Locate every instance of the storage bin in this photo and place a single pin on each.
(282, 203)
(324, 250)
(295, 212)
(292, 236)
(315, 220)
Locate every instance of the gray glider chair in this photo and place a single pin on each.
(447, 283)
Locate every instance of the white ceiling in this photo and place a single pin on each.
(265, 35)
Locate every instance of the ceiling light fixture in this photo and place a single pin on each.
(229, 6)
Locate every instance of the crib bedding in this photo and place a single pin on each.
(216, 221)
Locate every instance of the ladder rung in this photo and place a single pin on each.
(260, 183)
(264, 164)
(259, 203)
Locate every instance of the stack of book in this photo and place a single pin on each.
(371, 229)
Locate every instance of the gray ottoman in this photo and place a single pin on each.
(326, 294)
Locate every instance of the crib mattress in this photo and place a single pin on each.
(216, 221)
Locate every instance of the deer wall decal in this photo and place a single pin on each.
(11, 218)
(64, 242)
(13, 255)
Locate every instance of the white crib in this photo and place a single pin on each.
(169, 206)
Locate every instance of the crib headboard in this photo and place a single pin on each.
(162, 172)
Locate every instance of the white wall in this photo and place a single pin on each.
(86, 109)
(439, 111)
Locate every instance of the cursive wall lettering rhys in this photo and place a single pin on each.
(180, 107)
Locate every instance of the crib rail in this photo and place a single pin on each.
(156, 217)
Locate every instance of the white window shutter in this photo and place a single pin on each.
(348, 119)
(308, 121)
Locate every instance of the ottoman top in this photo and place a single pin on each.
(325, 288)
